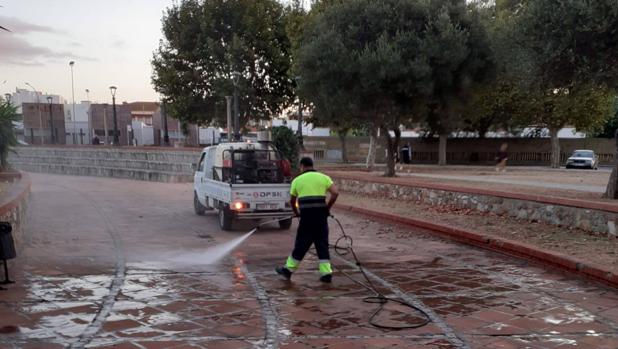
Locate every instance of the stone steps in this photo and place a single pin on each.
(143, 175)
(184, 168)
(138, 164)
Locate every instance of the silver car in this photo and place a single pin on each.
(583, 159)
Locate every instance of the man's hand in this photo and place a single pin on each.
(334, 194)
(293, 201)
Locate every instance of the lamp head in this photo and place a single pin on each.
(72, 63)
(235, 77)
(49, 99)
(113, 90)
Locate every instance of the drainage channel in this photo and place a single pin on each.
(269, 313)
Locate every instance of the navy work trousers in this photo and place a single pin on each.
(312, 229)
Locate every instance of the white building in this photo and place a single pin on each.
(77, 128)
(21, 96)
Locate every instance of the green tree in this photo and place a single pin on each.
(586, 108)
(205, 42)
(8, 115)
(286, 142)
(384, 60)
(459, 57)
(608, 130)
(495, 104)
(571, 46)
(572, 41)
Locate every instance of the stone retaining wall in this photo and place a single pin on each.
(13, 202)
(132, 163)
(594, 220)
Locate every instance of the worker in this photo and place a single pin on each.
(308, 200)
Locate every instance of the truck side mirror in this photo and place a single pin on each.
(194, 166)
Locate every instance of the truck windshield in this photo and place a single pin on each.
(256, 166)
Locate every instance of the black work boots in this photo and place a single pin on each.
(287, 274)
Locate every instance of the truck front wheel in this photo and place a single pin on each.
(197, 206)
(285, 224)
(225, 218)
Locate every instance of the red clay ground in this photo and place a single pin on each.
(103, 267)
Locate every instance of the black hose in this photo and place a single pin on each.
(379, 297)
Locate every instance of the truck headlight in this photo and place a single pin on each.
(238, 205)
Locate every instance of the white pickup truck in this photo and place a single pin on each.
(243, 181)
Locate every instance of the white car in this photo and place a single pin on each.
(583, 159)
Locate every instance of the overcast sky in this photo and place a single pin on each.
(111, 42)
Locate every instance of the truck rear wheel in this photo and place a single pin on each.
(197, 206)
(285, 224)
(225, 218)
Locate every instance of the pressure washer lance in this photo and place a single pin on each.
(378, 297)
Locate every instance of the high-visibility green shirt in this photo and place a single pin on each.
(310, 183)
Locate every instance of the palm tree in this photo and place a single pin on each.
(3, 28)
(8, 116)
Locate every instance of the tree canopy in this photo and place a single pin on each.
(393, 62)
(8, 115)
(205, 42)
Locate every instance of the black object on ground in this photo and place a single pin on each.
(7, 250)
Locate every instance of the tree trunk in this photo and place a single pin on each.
(371, 154)
(611, 192)
(555, 147)
(344, 148)
(392, 147)
(442, 150)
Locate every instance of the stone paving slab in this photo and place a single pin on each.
(477, 299)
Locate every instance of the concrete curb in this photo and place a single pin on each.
(506, 246)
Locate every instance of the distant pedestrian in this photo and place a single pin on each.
(406, 154)
(502, 158)
(96, 140)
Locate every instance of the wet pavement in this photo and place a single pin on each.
(100, 268)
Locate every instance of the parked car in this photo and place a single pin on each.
(583, 159)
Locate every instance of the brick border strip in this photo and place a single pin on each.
(552, 200)
(16, 193)
(505, 246)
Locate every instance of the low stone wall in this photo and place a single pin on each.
(160, 165)
(586, 218)
(13, 201)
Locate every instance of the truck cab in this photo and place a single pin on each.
(243, 180)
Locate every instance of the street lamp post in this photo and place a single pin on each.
(38, 106)
(235, 79)
(113, 91)
(300, 116)
(71, 64)
(166, 133)
(228, 99)
(51, 119)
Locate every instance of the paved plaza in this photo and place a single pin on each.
(108, 263)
